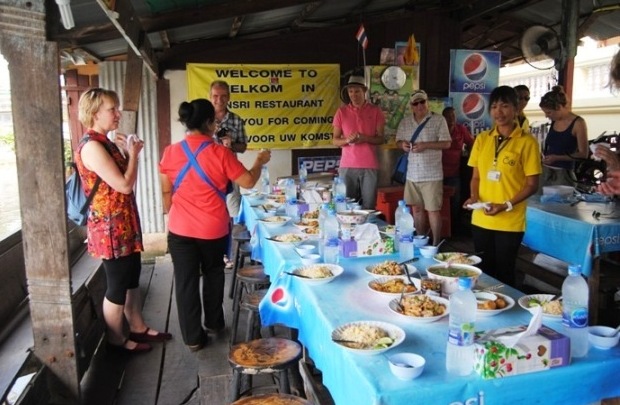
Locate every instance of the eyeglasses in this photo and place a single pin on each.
(415, 104)
(524, 98)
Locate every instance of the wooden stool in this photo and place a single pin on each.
(263, 356)
(249, 278)
(272, 399)
(242, 250)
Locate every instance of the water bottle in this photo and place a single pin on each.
(460, 347)
(303, 173)
(340, 194)
(330, 238)
(575, 311)
(265, 187)
(290, 192)
(397, 214)
(405, 234)
(323, 213)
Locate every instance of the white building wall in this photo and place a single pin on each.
(593, 98)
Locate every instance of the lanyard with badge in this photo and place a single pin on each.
(500, 143)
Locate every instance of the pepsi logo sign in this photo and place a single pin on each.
(473, 106)
(475, 67)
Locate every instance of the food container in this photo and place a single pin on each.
(406, 366)
(598, 336)
(352, 217)
(420, 240)
(449, 275)
(431, 286)
(428, 251)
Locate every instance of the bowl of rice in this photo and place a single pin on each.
(368, 337)
(319, 273)
(552, 308)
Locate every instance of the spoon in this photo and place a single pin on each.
(399, 363)
(440, 243)
(614, 332)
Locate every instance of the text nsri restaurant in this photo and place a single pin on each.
(282, 106)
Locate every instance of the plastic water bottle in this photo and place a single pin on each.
(405, 234)
(460, 347)
(265, 187)
(323, 213)
(575, 311)
(303, 173)
(290, 190)
(397, 214)
(340, 194)
(330, 238)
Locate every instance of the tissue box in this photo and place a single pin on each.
(547, 349)
(383, 245)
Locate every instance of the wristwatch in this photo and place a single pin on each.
(508, 206)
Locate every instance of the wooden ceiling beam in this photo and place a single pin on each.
(126, 21)
(236, 26)
(307, 11)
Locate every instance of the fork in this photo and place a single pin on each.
(400, 300)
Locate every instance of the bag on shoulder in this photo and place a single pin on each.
(399, 175)
(78, 204)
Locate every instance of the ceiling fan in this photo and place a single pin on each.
(542, 48)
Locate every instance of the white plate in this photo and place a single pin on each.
(334, 268)
(523, 301)
(275, 221)
(412, 270)
(444, 257)
(300, 238)
(381, 280)
(393, 331)
(428, 319)
(302, 226)
(510, 302)
(311, 233)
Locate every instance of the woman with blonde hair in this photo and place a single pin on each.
(566, 140)
(114, 232)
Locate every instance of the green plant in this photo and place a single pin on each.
(8, 139)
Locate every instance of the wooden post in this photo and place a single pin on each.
(35, 95)
(131, 93)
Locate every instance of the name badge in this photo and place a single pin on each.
(493, 175)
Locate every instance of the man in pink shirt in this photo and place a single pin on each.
(358, 130)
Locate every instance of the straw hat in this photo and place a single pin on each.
(359, 81)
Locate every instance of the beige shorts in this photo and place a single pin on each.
(425, 194)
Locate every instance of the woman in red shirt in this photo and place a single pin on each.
(198, 221)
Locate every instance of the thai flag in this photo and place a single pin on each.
(361, 36)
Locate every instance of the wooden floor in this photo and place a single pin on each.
(171, 374)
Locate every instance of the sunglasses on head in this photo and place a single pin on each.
(414, 104)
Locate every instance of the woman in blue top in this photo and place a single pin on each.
(566, 141)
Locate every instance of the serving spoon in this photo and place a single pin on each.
(614, 332)
(398, 363)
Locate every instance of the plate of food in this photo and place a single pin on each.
(368, 337)
(275, 221)
(457, 258)
(288, 238)
(311, 232)
(389, 268)
(493, 303)
(320, 273)
(306, 224)
(394, 286)
(310, 216)
(552, 308)
(420, 308)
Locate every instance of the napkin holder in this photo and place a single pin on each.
(520, 349)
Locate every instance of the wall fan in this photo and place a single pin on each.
(542, 48)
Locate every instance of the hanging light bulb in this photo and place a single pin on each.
(66, 15)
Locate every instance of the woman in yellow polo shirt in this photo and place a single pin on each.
(506, 166)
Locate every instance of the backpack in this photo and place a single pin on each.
(78, 204)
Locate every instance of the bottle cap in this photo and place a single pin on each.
(465, 282)
(574, 269)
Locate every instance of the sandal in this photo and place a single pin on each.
(228, 264)
(139, 348)
(146, 337)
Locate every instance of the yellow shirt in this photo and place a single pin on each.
(518, 157)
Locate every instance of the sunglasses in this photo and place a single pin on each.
(415, 104)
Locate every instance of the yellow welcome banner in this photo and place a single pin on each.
(282, 106)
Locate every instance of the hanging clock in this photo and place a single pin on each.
(393, 78)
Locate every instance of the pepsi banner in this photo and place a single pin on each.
(473, 76)
(474, 71)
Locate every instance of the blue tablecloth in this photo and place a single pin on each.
(353, 379)
(572, 233)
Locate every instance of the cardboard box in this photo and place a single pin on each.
(543, 351)
(383, 245)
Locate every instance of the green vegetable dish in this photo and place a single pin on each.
(452, 272)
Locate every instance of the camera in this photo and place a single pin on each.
(613, 140)
(221, 133)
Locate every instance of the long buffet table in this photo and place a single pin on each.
(354, 379)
